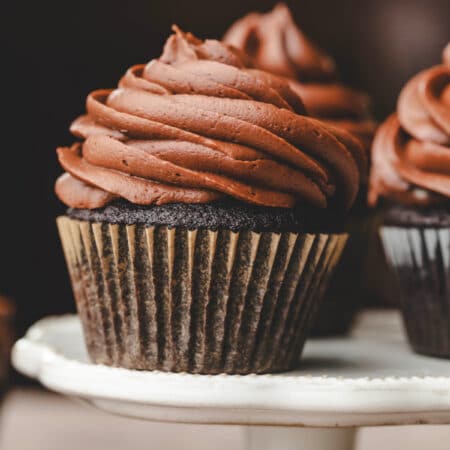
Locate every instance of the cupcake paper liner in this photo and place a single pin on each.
(420, 258)
(199, 301)
(346, 289)
(342, 296)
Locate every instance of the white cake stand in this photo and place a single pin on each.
(369, 379)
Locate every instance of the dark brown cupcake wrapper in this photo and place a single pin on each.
(199, 301)
(420, 259)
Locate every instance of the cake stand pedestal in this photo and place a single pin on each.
(368, 379)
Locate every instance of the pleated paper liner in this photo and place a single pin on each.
(199, 301)
(353, 282)
(420, 259)
(343, 295)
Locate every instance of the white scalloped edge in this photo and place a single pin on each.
(257, 399)
(37, 331)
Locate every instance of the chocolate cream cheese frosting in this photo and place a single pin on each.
(274, 43)
(411, 150)
(196, 125)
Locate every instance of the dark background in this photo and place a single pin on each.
(54, 53)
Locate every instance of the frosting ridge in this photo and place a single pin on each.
(273, 42)
(411, 150)
(198, 124)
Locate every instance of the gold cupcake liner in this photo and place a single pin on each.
(199, 301)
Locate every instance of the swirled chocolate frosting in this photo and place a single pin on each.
(274, 43)
(411, 150)
(196, 125)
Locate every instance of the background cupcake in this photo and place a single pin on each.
(7, 336)
(411, 175)
(204, 214)
(273, 42)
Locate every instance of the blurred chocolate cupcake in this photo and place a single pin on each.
(273, 42)
(205, 214)
(7, 313)
(411, 178)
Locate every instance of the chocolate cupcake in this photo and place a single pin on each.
(411, 178)
(7, 314)
(205, 214)
(273, 42)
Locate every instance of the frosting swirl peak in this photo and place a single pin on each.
(411, 151)
(197, 124)
(273, 42)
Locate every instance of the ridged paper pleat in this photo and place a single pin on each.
(348, 286)
(198, 301)
(421, 261)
